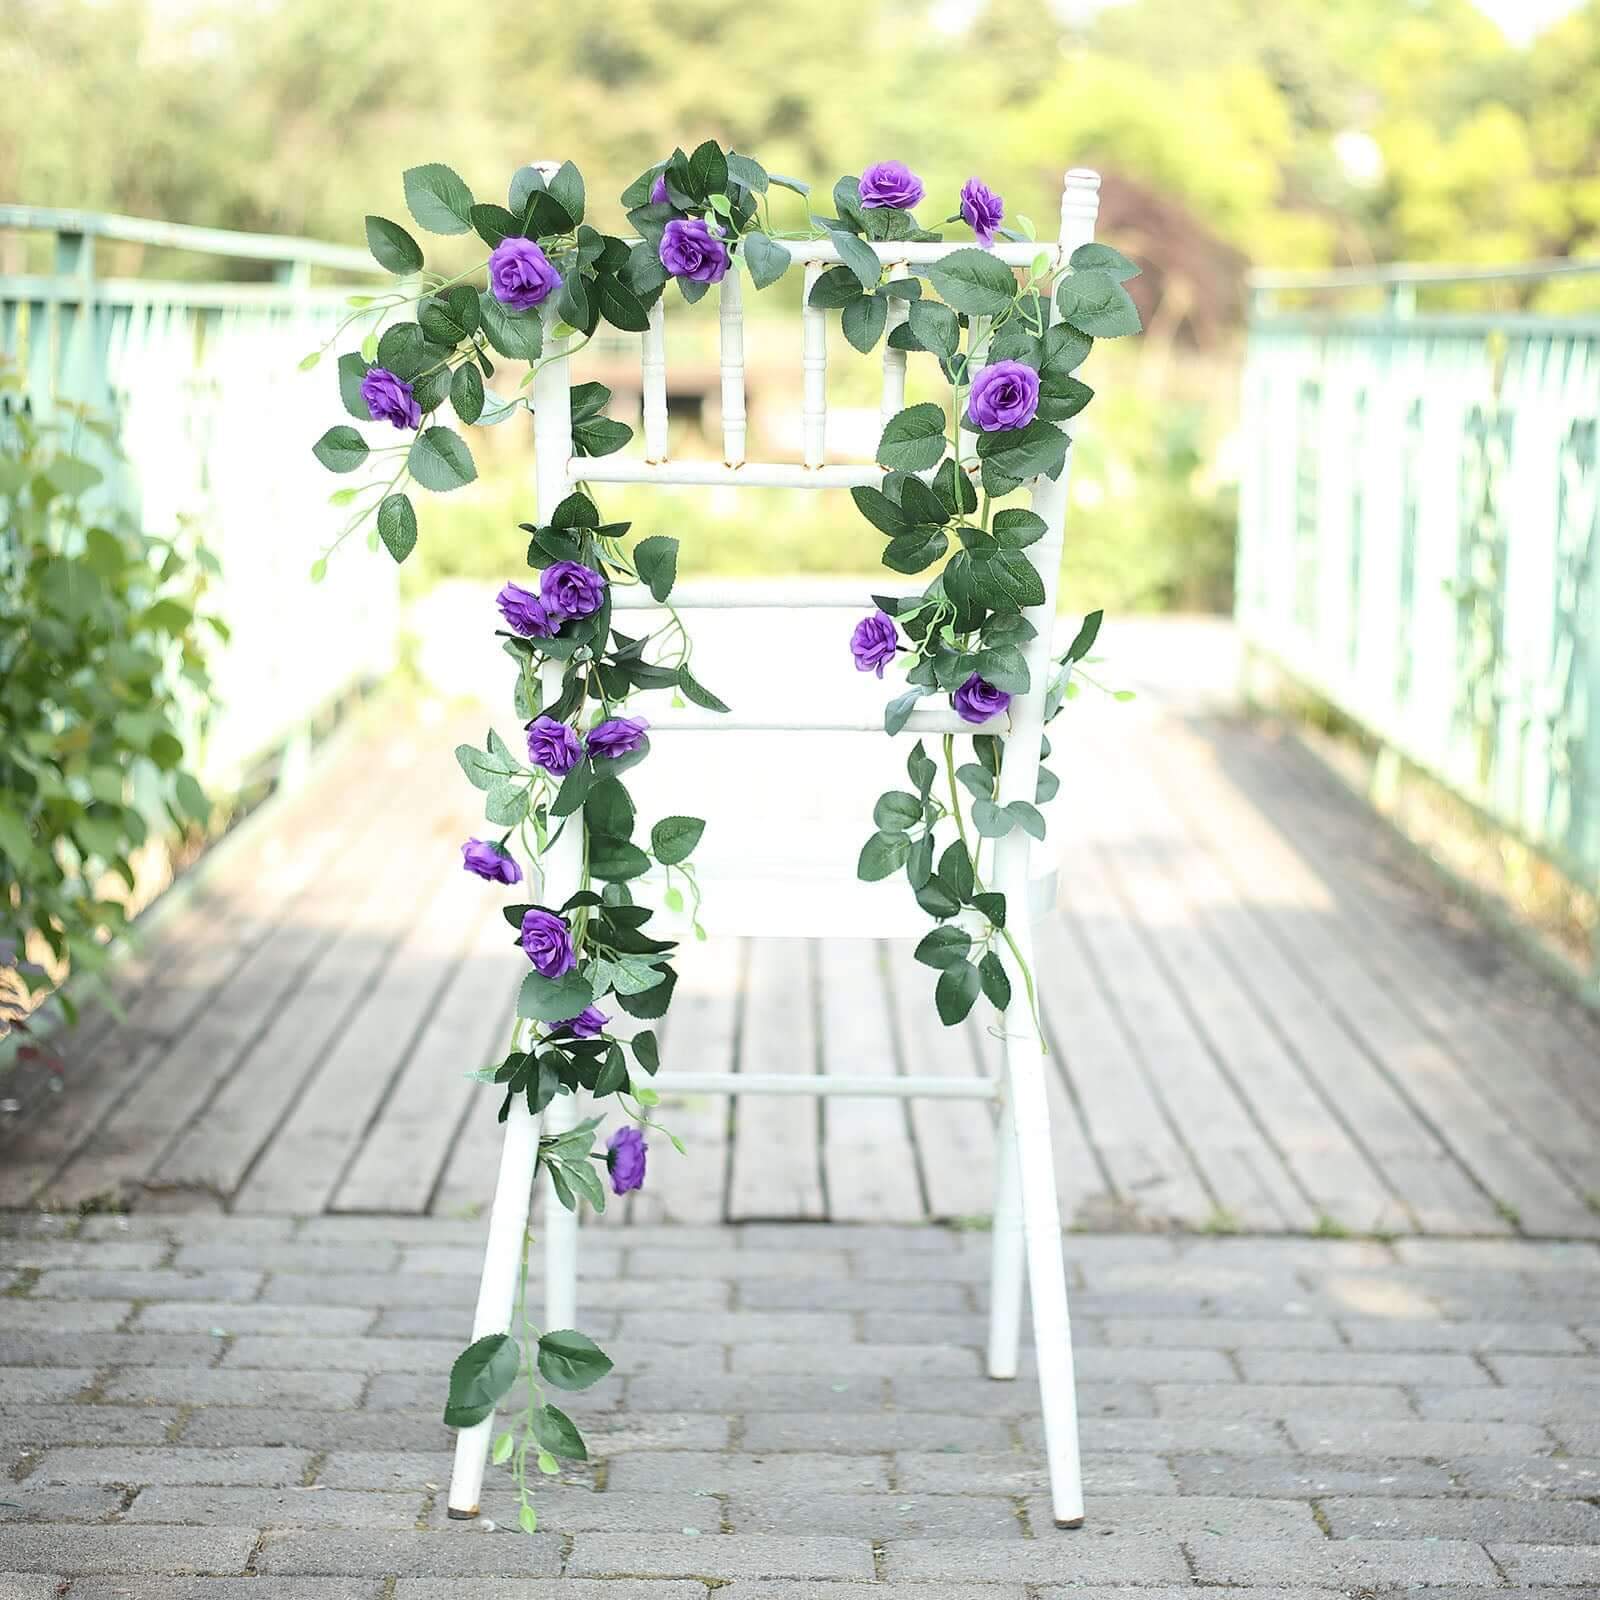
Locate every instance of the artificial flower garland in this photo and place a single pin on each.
(699, 216)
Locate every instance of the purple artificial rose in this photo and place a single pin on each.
(570, 589)
(625, 1151)
(1005, 395)
(520, 274)
(977, 701)
(981, 209)
(548, 943)
(874, 642)
(689, 249)
(553, 746)
(658, 191)
(890, 184)
(525, 613)
(589, 1023)
(490, 861)
(389, 398)
(621, 736)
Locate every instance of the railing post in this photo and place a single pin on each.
(71, 354)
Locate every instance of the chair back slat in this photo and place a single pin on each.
(731, 317)
(653, 382)
(814, 360)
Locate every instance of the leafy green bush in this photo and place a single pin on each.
(99, 660)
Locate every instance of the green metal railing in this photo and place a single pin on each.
(1419, 536)
(200, 379)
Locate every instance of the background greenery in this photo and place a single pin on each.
(1296, 133)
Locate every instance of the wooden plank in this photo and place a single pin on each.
(401, 1159)
(777, 1168)
(954, 1138)
(1252, 1186)
(869, 1166)
(306, 1159)
(1260, 1061)
(1511, 1172)
(700, 1033)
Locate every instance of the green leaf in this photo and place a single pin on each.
(943, 947)
(793, 185)
(656, 561)
(748, 171)
(956, 992)
(708, 170)
(1016, 529)
(600, 436)
(440, 460)
(482, 1375)
(1104, 258)
(1005, 668)
(914, 552)
(481, 772)
(503, 1446)
(397, 526)
(1017, 454)
(446, 319)
(645, 1050)
(973, 281)
(922, 769)
(392, 247)
(897, 810)
(1028, 816)
(996, 985)
(1083, 640)
(571, 1360)
(955, 871)
(556, 1433)
(936, 899)
(898, 711)
(1094, 302)
(882, 856)
(696, 691)
(353, 367)
(438, 199)
(913, 440)
(466, 393)
(517, 335)
(860, 258)
(616, 861)
(935, 327)
(880, 510)
(765, 257)
(495, 224)
(340, 449)
(863, 320)
(993, 905)
(673, 839)
(608, 808)
(553, 999)
(990, 820)
(565, 187)
(838, 286)
(404, 351)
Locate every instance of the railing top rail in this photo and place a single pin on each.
(1392, 273)
(184, 236)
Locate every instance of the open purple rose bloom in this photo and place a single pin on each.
(547, 942)
(625, 1152)
(389, 398)
(981, 209)
(1003, 396)
(977, 701)
(570, 589)
(525, 613)
(890, 184)
(874, 642)
(520, 274)
(489, 861)
(589, 1023)
(689, 249)
(553, 746)
(621, 736)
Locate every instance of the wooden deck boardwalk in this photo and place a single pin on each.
(1263, 1018)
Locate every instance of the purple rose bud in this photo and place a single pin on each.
(689, 249)
(589, 1023)
(490, 861)
(520, 274)
(389, 398)
(977, 701)
(525, 613)
(1005, 395)
(553, 746)
(890, 184)
(625, 1151)
(548, 943)
(570, 589)
(874, 642)
(658, 191)
(621, 736)
(981, 209)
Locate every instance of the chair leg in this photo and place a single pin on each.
(560, 1230)
(1006, 1251)
(1047, 1277)
(497, 1289)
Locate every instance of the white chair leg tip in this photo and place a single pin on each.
(1063, 1522)
(456, 1515)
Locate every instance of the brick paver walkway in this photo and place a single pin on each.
(247, 1408)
